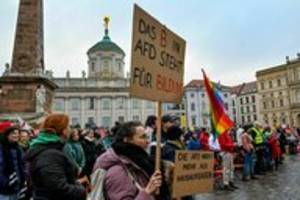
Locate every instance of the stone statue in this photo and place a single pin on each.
(40, 99)
(7, 70)
(83, 74)
(68, 74)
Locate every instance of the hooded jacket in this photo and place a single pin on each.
(52, 175)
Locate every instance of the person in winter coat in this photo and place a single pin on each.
(90, 151)
(193, 143)
(204, 140)
(74, 151)
(174, 142)
(52, 174)
(248, 150)
(227, 148)
(130, 171)
(12, 174)
(275, 148)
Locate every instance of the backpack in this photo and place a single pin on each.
(97, 183)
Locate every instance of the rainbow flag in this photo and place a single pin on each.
(220, 121)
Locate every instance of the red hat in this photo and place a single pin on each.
(6, 126)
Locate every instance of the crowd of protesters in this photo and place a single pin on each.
(59, 162)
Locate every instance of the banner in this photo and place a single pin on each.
(193, 173)
(157, 60)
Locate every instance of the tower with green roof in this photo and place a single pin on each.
(106, 58)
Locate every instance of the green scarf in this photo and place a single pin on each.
(44, 138)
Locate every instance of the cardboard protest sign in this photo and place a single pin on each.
(157, 62)
(193, 173)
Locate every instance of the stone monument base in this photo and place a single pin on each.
(19, 96)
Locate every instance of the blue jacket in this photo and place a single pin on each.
(18, 167)
(193, 145)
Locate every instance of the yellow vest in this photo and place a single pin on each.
(258, 136)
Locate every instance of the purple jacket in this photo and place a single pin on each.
(117, 182)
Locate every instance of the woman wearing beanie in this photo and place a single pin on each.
(52, 175)
(12, 175)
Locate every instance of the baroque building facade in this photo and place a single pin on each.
(246, 103)
(102, 96)
(279, 91)
(197, 103)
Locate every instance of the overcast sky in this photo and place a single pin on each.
(230, 39)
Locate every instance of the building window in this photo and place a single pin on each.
(193, 107)
(241, 101)
(105, 66)
(59, 104)
(149, 105)
(75, 104)
(234, 111)
(242, 110)
(281, 102)
(91, 103)
(254, 117)
(91, 120)
(135, 118)
(203, 95)
(273, 104)
(248, 118)
(121, 119)
(262, 85)
(248, 109)
(298, 96)
(278, 82)
(233, 103)
(270, 84)
(120, 103)
(106, 121)
(243, 119)
(265, 105)
(253, 98)
(75, 121)
(120, 67)
(254, 108)
(136, 103)
(247, 99)
(92, 66)
(192, 95)
(194, 120)
(105, 104)
(226, 106)
(225, 95)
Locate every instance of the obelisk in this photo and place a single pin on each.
(24, 88)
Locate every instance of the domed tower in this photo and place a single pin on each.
(106, 59)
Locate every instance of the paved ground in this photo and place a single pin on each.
(283, 185)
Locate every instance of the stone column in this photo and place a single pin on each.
(28, 53)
